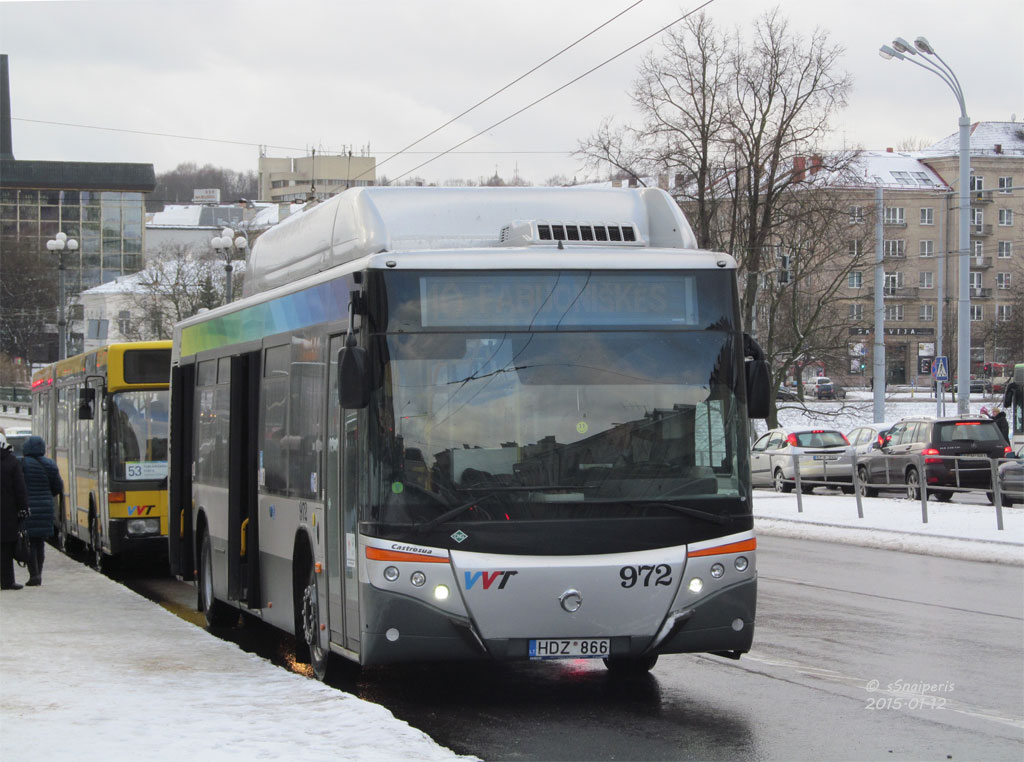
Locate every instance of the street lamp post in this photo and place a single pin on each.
(226, 245)
(903, 50)
(61, 243)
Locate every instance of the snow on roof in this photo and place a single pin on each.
(985, 136)
(891, 169)
(176, 215)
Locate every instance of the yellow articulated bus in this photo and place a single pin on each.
(103, 415)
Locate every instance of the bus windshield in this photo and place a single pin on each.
(519, 427)
(138, 435)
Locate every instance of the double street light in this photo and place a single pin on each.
(904, 51)
(61, 243)
(227, 246)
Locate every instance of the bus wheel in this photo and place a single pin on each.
(217, 613)
(96, 549)
(319, 657)
(629, 665)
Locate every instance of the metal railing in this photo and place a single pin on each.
(853, 483)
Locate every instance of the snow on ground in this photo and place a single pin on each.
(91, 671)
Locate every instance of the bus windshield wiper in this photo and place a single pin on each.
(688, 511)
(450, 514)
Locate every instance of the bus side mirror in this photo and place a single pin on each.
(86, 404)
(353, 376)
(759, 386)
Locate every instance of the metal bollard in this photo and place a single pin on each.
(796, 477)
(923, 485)
(855, 480)
(997, 494)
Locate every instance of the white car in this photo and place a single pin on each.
(821, 455)
(864, 441)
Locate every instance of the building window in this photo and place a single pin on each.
(977, 217)
(977, 313)
(855, 279)
(923, 179)
(977, 183)
(1005, 249)
(1006, 217)
(1005, 183)
(1003, 280)
(894, 215)
(927, 215)
(95, 329)
(894, 312)
(927, 280)
(895, 248)
(927, 314)
(856, 214)
(979, 248)
(893, 282)
(856, 312)
(974, 280)
(928, 248)
(1004, 312)
(855, 248)
(124, 322)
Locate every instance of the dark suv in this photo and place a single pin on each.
(954, 452)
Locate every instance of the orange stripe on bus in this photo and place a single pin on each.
(733, 547)
(378, 554)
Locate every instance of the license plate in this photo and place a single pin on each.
(569, 648)
(826, 457)
(973, 455)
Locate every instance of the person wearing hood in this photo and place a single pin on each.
(42, 479)
(13, 504)
(998, 415)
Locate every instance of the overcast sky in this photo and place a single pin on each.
(333, 74)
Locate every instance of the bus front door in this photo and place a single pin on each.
(342, 494)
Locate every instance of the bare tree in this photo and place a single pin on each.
(174, 286)
(28, 301)
(176, 186)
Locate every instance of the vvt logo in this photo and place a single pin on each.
(489, 578)
(140, 510)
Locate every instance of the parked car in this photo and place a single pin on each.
(782, 394)
(823, 456)
(977, 386)
(953, 452)
(16, 437)
(824, 388)
(1011, 479)
(864, 441)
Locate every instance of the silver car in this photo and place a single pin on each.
(822, 455)
(865, 440)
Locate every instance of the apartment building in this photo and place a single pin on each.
(320, 175)
(919, 212)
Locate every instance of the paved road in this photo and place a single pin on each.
(859, 654)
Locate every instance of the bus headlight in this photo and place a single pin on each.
(717, 570)
(696, 585)
(441, 592)
(391, 573)
(143, 526)
(740, 563)
(418, 579)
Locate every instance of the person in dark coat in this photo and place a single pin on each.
(43, 482)
(13, 505)
(998, 415)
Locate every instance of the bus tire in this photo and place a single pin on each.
(319, 657)
(630, 665)
(95, 546)
(217, 613)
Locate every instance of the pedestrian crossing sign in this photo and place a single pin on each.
(940, 368)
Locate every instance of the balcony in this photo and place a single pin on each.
(981, 197)
(980, 263)
(897, 293)
(980, 230)
(981, 293)
(895, 223)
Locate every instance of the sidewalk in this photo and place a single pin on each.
(91, 671)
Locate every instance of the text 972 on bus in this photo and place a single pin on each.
(473, 424)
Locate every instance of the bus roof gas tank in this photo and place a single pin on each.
(364, 221)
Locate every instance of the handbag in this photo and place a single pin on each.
(22, 547)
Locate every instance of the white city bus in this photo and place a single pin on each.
(451, 423)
